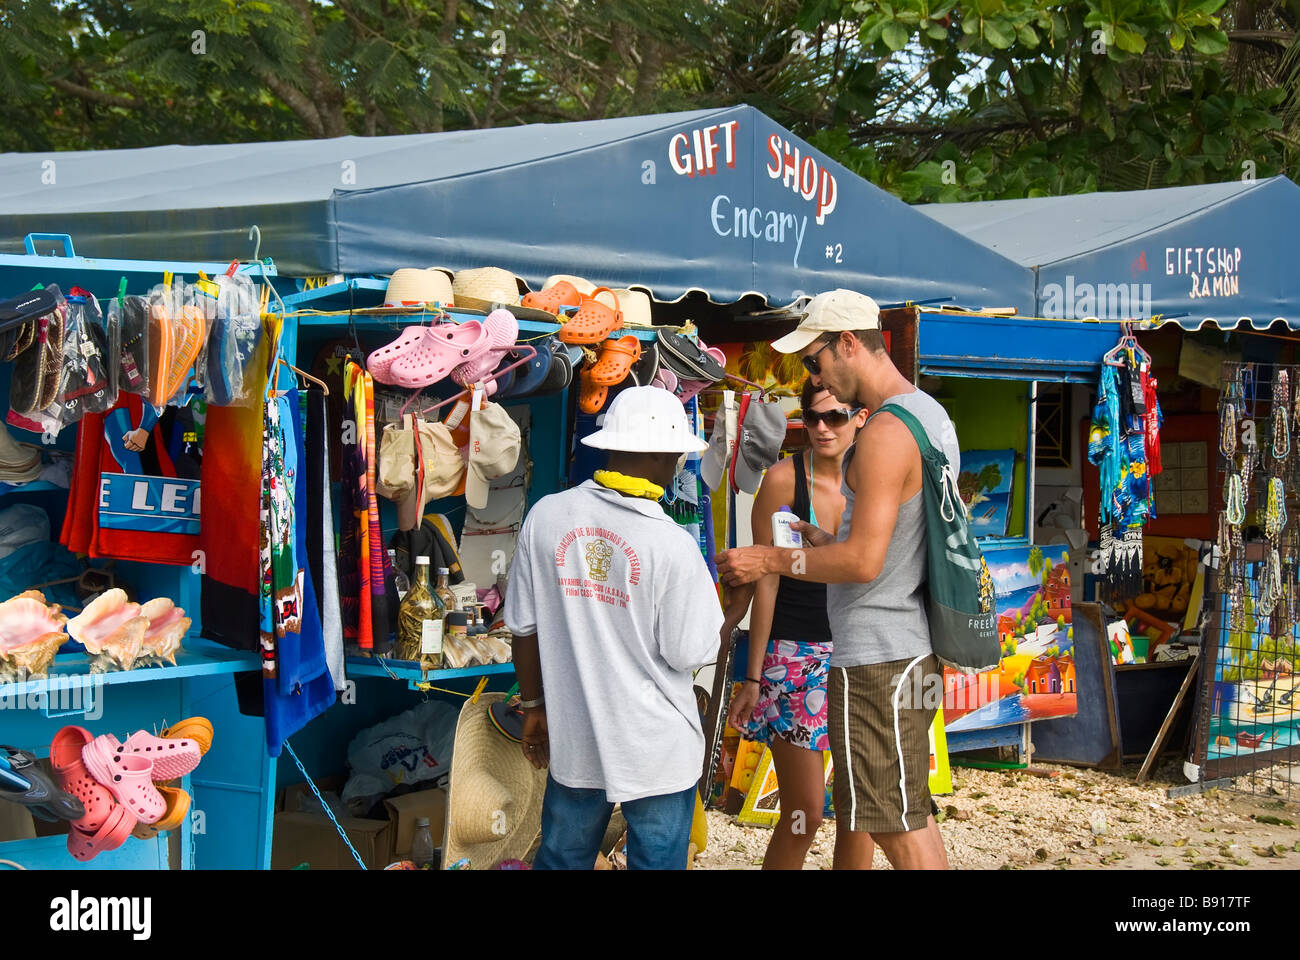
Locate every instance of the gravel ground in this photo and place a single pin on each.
(1074, 819)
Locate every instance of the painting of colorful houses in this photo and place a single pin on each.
(1035, 678)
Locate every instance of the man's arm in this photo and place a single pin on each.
(886, 459)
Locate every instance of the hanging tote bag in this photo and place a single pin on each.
(959, 594)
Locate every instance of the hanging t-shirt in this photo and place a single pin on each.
(624, 610)
(149, 486)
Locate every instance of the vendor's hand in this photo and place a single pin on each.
(813, 536)
(743, 565)
(537, 741)
(135, 440)
(742, 704)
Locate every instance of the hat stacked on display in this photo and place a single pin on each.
(484, 287)
(19, 462)
(411, 287)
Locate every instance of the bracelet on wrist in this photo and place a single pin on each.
(754, 680)
(529, 704)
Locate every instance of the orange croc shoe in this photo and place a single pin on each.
(563, 294)
(593, 396)
(616, 360)
(198, 729)
(594, 321)
(178, 807)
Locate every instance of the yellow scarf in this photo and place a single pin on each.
(632, 486)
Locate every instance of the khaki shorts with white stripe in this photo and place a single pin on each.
(880, 746)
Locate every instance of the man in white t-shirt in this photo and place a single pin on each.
(612, 609)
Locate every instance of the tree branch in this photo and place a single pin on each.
(94, 96)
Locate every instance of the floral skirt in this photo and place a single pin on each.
(792, 700)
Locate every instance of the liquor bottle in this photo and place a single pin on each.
(419, 620)
(400, 579)
(443, 590)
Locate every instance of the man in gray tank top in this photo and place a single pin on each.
(875, 570)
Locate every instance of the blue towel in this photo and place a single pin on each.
(301, 688)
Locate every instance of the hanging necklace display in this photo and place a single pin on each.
(1281, 422)
(1275, 509)
(1228, 430)
(1237, 607)
(1224, 545)
(1236, 499)
(1270, 588)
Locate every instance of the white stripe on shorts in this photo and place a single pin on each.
(898, 737)
(848, 752)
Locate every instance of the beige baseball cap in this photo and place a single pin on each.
(443, 467)
(494, 445)
(831, 312)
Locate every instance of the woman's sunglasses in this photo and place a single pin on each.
(832, 418)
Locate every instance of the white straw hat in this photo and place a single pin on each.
(412, 286)
(494, 798)
(578, 283)
(484, 286)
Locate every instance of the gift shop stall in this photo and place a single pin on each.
(259, 460)
(1199, 629)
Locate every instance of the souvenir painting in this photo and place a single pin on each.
(1035, 677)
(985, 487)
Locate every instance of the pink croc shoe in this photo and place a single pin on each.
(107, 823)
(437, 353)
(502, 331)
(171, 758)
(379, 361)
(128, 777)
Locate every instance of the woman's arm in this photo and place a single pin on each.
(776, 489)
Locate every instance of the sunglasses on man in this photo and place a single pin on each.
(832, 418)
(811, 363)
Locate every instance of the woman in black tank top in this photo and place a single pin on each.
(783, 701)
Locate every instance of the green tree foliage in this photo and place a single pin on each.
(935, 100)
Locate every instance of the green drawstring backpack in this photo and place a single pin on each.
(959, 592)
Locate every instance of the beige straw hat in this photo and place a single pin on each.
(494, 798)
(19, 462)
(412, 286)
(635, 306)
(482, 287)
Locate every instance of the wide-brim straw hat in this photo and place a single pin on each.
(19, 462)
(482, 287)
(494, 798)
(412, 286)
(635, 306)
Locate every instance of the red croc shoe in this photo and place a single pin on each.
(107, 823)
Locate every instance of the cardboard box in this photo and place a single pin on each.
(403, 812)
(311, 838)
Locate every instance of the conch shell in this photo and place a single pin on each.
(30, 634)
(111, 629)
(167, 628)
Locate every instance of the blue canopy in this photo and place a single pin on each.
(722, 201)
(1217, 254)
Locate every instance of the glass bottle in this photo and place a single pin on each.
(419, 607)
(400, 579)
(422, 844)
(443, 590)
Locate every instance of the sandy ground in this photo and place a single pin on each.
(1074, 820)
